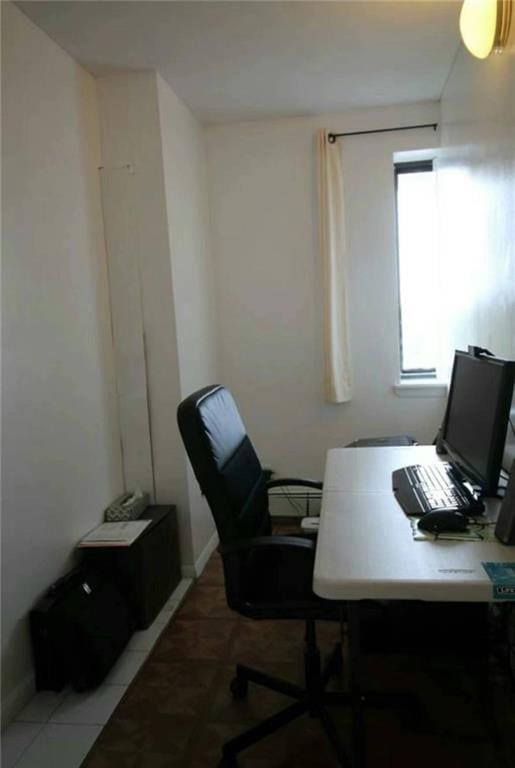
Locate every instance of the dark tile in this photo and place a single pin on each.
(269, 642)
(258, 704)
(157, 760)
(175, 687)
(205, 601)
(121, 736)
(153, 732)
(100, 758)
(209, 739)
(179, 711)
(213, 573)
(263, 642)
(195, 639)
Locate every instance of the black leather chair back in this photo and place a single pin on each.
(225, 464)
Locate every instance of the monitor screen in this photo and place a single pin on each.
(474, 428)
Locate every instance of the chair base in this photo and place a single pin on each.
(313, 700)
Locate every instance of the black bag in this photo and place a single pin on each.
(79, 629)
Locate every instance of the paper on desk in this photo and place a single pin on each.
(114, 534)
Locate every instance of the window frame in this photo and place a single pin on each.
(401, 168)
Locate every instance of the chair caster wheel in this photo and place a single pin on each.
(239, 689)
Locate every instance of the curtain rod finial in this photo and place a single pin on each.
(331, 138)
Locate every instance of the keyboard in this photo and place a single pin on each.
(423, 488)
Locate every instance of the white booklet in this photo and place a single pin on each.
(114, 534)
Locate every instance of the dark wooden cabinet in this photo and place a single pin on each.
(148, 571)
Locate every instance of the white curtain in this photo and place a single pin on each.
(337, 376)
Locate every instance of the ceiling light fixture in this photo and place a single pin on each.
(485, 26)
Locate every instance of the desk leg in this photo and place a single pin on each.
(487, 706)
(357, 698)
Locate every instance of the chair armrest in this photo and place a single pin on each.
(268, 570)
(294, 481)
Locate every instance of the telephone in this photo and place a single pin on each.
(128, 506)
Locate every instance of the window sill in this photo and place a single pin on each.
(420, 388)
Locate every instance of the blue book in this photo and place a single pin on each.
(502, 576)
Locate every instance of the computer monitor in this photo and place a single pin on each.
(476, 418)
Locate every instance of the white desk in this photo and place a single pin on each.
(365, 548)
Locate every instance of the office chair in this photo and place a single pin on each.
(266, 576)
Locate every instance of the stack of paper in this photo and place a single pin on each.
(114, 534)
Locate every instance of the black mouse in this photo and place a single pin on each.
(441, 520)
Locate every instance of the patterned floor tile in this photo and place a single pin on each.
(157, 733)
(178, 712)
(176, 687)
(213, 574)
(195, 639)
(205, 601)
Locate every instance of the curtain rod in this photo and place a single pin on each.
(331, 137)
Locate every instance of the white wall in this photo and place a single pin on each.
(141, 285)
(60, 440)
(131, 159)
(157, 226)
(185, 176)
(477, 187)
(145, 332)
(263, 192)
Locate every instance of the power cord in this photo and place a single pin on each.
(292, 502)
(297, 506)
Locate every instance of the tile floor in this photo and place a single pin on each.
(57, 730)
(179, 710)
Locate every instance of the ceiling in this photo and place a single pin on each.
(246, 60)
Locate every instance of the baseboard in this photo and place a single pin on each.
(188, 571)
(194, 571)
(14, 702)
(200, 562)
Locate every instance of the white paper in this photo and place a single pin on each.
(114, 534)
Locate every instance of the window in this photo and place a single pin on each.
(417, 248)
